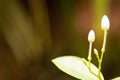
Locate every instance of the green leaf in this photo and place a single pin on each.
(117, 78)
(76, 67)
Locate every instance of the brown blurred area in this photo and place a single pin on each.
(32, 32)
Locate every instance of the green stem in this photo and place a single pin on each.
(100, 64)
(104, 41)
(89, 53)
(89, 67)
(102, 54)
(99, 69)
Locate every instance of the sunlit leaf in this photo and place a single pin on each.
(117, 78)
(76, 67)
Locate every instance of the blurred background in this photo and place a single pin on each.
(32, 32)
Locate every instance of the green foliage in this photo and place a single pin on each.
(76, 67)
(81, 68)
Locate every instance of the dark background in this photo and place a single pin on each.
(32, 32)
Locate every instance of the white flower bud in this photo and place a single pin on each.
(91, 36)
(105, 24)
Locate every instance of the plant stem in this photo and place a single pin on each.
(104, 42)
(102, 54)
(89, 53)
(99, 69)
(89, 67)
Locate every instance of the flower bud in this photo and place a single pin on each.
(91, 36)
(105, 24)
(95, 52)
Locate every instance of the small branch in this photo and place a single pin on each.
(89, 68)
